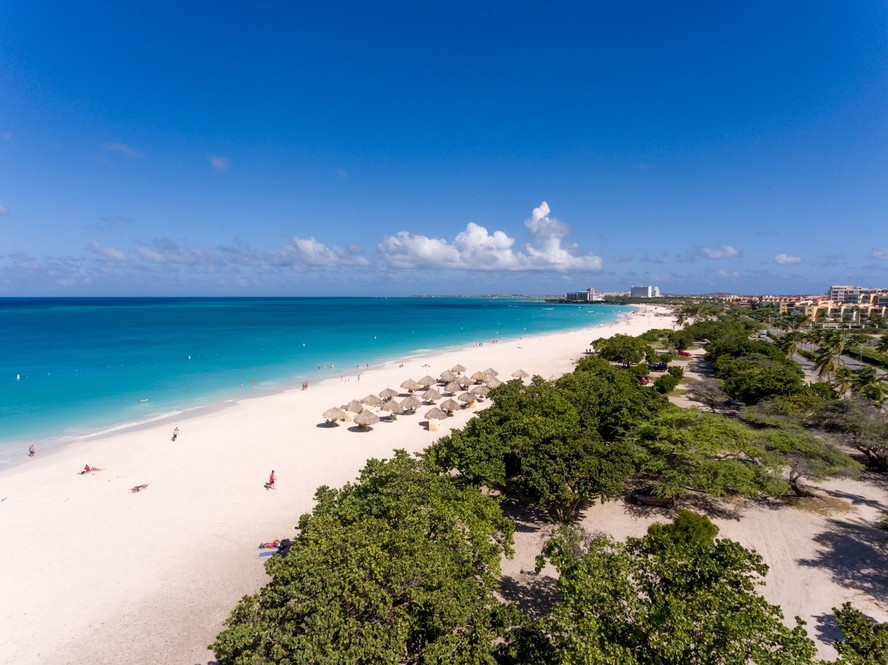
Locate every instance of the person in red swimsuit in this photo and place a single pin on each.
(270, 484)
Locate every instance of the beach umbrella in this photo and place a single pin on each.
(354, 406)
(457, 369)
(480, 391)
(468, 398)
(450, 405)
(333, 414)
(452, 387)
(491, 372)
(431, 395)
(479, 377)
(493, 382)
(435, 414)
(427, 381)
(447, 376)
(388, 393)
(411, 403)
(372, 400)
(410, 385)
(392, 407)
(366, 419)
(464, 381)
(520, 374)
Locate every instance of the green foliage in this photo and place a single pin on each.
(666, 383)
(543, 443)
(676, 371)
(642, 369)
(865, 643)
(692, 450)
(860, 423)
(752, 378)
(806, 456)
(623, 349)
(607, 400)
(652, 601)
(687, 531)
(399, 567)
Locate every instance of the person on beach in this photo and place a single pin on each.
(175, 434)
(89, 469)
(270, 484)
(31, 451)
(273, 545)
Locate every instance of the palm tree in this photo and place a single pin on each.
(842, 380)
(790, 343)
(829, 355)
(882, 345)
(866, 384)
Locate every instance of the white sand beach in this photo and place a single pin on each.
(92, 572)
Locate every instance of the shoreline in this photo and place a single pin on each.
(94, 571)
(51, 445)
(62, 437)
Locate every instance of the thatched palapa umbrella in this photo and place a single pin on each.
(435, 416)
(457, 369)
(372, 400)
(453, 387)
(427, 381)
(468, 398)
(447, 376)
(479, 377)
(431, 395)
(333, 414)
(366, 419)
(480, 391)
(388, 393)
(520, 374)
(450, 405)
(354, 406)
(494, 382)
(491, 372)
(411, 404)
(464, 382)
(410, 385)
(392, 407)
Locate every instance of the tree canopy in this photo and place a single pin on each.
(677, 596)
(398, 567)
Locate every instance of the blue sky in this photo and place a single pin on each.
(269, 148)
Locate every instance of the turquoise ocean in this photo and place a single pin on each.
(72, 367)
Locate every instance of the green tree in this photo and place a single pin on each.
(829, 355)
(400, 567)
(663, 601)
(882, 345)
(689, 450)
(842, 380)
(865, 643)
(708, 392)
(861, 424)
(806, 456)
(790, 343)
(623, 349)
(866, 383)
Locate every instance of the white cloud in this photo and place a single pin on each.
(3, 210)
(786, 259)
(167, 251)
(218, 162)
(477, 249)
(723, 252)
(109, 253)
(123, 149)
(302, 252)
(881, 253)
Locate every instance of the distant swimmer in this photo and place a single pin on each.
(31, 451)
(18, 377)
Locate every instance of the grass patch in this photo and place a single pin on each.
(822, 505)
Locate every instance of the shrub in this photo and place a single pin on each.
(676, 371)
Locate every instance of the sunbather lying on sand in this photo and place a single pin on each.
(89, 469)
